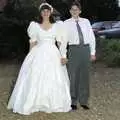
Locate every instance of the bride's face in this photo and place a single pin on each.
(45, 13)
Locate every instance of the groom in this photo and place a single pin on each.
(81, 50)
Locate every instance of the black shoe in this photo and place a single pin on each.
(74, 107)
(85, 107)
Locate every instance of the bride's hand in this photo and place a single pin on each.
(64, 61)
(32, 44)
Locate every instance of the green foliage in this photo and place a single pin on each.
(14, 21)
(110, 52)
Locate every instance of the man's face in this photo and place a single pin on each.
(75, 11)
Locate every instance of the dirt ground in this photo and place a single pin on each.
(104, 101)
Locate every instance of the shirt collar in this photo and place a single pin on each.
(79, 19)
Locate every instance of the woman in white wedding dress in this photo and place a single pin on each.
(42, 83)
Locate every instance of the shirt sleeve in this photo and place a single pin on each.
(62, 38)
(32, 33)
(92, 40)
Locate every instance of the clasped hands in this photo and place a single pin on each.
(64, 61)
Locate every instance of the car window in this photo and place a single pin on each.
(97, 25)
(117, 25)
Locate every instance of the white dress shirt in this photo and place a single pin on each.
(72, 33)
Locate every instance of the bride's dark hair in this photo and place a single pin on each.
(51, 18)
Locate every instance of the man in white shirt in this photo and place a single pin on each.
(81, 50)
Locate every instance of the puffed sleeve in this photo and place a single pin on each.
(61, 37)
(32, 31)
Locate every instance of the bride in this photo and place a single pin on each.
(43, 83)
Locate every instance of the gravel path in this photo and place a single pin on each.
(104, 101)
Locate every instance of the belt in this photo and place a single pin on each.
(79, 45)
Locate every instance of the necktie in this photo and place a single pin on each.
(81, 39)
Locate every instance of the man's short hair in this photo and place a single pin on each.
(76, 4)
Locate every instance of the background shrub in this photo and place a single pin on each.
(109, 51)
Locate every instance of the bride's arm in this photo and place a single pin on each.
(32, 44)
(32, 33)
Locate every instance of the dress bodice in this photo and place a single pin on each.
(36, 33)
(55, 33)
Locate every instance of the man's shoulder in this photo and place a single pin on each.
(84, 19)
(68, 20)
(59, 22)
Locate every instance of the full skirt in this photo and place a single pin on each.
(42, 83)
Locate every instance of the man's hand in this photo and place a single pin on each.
(64, 61)
(93, 58)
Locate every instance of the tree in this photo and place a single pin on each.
(104, 9)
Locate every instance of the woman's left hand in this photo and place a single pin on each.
(64, 61)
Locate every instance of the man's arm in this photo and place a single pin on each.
(92, 42)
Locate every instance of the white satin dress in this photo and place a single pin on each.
(42, 83)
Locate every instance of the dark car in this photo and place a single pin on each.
(107, 29)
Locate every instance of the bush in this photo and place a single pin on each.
(109, 51)
(14, 20)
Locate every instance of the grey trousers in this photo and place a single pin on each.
(78, 71)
